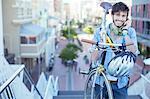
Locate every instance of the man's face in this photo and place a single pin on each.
(119, 18)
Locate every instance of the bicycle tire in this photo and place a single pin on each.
(92, 95)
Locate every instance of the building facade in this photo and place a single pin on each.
(141, 22)
(25, 25)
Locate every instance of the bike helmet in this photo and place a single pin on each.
(121, 64)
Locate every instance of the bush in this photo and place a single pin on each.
(69, 52)
(73, 47)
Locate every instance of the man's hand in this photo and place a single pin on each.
(127, 24)
(131, 48)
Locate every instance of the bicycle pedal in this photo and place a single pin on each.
(85, 72)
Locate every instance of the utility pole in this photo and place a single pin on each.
(67, 8)
(68, 26)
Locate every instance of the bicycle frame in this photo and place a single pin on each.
(96, 72)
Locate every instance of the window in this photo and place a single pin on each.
(24, 40)
(32, 40)
(144, 8)
(148, 27)
(148, 10)
(133, 11)
(138, 10)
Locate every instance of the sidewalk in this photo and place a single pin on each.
(78, 80)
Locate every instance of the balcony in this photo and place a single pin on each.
(33, 40)
(32, 50)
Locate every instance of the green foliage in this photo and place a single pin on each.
(144, 51)
(72, 22)
(69, 33)
(69, 52)
(80, 24)
(73, 47)
(88, 29)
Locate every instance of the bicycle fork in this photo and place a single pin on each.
(93, 84)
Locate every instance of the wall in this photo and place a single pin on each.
(11, 31)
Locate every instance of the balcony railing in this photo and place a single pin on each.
(13, 87)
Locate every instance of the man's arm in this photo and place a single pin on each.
(131, 38)
(96, 38)
(95, 53)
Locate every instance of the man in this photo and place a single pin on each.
(120, 32)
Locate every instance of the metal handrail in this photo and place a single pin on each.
(32, 82)
(146, 79)
(6, 84)
(52, 85)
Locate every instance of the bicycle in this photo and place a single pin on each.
(99, 71)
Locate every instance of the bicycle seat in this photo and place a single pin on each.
(106, 5)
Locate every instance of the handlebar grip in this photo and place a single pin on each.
(129, 44)
(109, 44)
(88, 41)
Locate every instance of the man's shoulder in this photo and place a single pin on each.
(131, 29)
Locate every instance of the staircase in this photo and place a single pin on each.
(13, 86)
(79, 95)
(70, 95)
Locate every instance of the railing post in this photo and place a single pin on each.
(1, 32)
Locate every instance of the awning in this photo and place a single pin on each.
(31, 30)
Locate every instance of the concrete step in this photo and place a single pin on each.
(70, 92)
(70, 97)
(79, 95)
(134, 97)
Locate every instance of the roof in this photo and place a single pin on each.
(31, 30)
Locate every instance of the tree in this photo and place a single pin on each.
(69, 53)
(69, 33)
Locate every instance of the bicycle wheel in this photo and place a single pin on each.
(89, 91)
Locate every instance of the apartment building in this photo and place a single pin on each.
(141, 22)
(25, 25)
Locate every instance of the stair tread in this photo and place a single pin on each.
(79, 95)
(70, 97)
(70, 92)
(134, 97)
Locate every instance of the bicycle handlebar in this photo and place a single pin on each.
(103, 44)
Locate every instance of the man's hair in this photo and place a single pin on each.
(120, 6)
